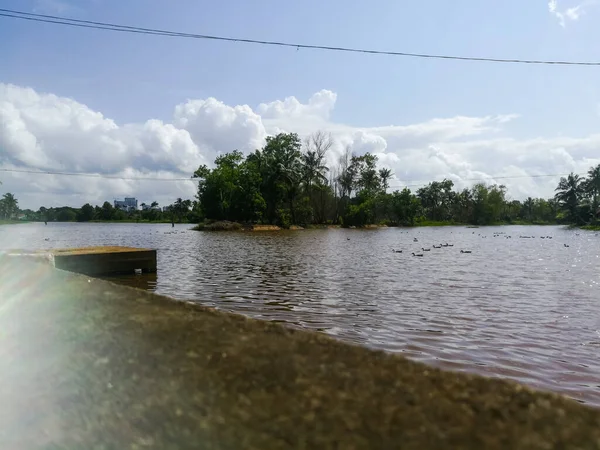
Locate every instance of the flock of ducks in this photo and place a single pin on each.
(423, 249)
(496, 234)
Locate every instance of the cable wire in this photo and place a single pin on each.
(117, 177)
(94, 175)
(9, 13)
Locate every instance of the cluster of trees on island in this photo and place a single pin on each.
(288, 182)
(180, 211)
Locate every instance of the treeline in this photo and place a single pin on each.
(9, 206)
(287, 182)
(180, 211)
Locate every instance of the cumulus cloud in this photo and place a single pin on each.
(572, 13)
(45, 132)
(216, 126)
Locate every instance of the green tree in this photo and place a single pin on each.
(405, 207)
(568, 194)
(66, 215)
(592, 188)
(280, 168)
(9, 206)
(230, 191)
(181, 208)
(436, 199)
(86, 213)
(108, 212)
(385, 175)
(313, 159)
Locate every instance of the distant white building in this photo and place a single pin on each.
(129, 204)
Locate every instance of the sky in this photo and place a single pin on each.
(137, 106)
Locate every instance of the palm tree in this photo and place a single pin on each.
(9, 205)
(528, 207)
(180, 208)
(592, 186)
(385, 174)
(313, 168)
(568, 195)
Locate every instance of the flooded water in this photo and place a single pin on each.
(525, 309)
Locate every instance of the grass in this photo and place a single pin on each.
(591, 227)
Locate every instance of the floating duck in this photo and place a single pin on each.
(418, 254)
(466, 251)
(426, 249)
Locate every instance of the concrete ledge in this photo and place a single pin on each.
(86, 364)
(96, 261)
(105, 260)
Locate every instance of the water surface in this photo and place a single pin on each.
(525, 309)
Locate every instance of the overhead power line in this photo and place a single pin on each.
(94, 175)
(58, 20)
(118, 177)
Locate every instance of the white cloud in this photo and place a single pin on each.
(46, 132)
(218, 127)
(572, 13)
(319, 107)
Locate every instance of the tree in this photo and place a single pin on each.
(180, 208)
(528, 208)
(86, 213)
(568, 194)
(592, 187)
(385, 174)
(313, 159)
(108, 212)
(9, 206)
(280, 168)
(405, 207)
(436, 198)
(66, 215)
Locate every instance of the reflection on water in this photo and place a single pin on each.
(526, 309)
(145, 281)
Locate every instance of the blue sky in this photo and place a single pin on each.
(129, 77)
(133, 78)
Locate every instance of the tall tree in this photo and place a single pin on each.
(9, 206)
(281, 171)
(108, 212)
(314, 169)
(385, 174)
(86, 213)
(568, 194)
(592, 187)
